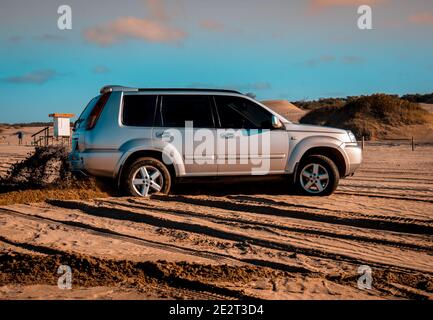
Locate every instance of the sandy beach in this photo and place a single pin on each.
(235, 242)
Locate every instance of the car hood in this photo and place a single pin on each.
(311, 128)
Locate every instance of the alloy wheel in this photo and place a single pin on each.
(147, 180)
(314, 178)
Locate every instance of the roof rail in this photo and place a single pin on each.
(189, 89)
(111, 88)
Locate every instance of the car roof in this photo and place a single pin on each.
(112, 88)
(116, 88)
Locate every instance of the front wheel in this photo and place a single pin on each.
(147, 176)
(317, 176)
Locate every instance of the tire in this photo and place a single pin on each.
(141, 183)
(317, 176)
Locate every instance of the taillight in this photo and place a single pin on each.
(74, 145)
(97, 110)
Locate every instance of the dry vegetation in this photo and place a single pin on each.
(419, 98)
(45, 174)
(322, 103)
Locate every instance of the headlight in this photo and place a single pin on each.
(352, 137)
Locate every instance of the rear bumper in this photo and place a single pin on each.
(76, 162)
(354, 158)
(98, 163)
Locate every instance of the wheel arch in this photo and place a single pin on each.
(320, 145)
(332, 153)
(131, 157)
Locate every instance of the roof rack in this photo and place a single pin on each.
(189, 89)
(111, 88)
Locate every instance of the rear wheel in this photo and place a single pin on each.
(317, 176)
(147, 176)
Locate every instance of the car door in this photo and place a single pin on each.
(188, 121)
(247, 143)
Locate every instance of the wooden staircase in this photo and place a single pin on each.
(44, 137)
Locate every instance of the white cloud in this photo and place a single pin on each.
(35, 77)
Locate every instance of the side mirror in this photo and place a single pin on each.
(276, 123)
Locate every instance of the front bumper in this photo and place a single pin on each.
(354, 158)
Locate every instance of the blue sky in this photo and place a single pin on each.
(277, 49)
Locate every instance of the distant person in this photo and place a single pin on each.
(20, 135)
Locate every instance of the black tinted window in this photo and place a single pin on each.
(240, 113)
(138, 110)
(176, 109)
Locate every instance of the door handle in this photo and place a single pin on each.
(164, 135)
(228, 135)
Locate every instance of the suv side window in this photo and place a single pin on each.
(176, 109)
(240, 113)
(138, 110)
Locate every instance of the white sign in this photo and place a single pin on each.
(62, 127)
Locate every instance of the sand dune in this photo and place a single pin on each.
(427, 106)
(286, 109)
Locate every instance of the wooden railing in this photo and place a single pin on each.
(44, 137)
(410, 140)
(41, 138)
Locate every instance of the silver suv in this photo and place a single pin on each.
(147, 139)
